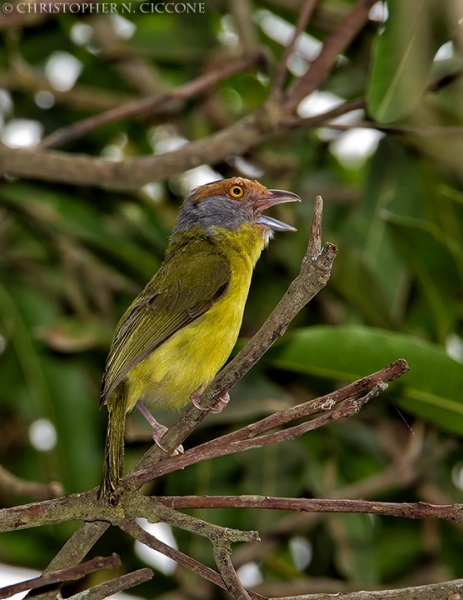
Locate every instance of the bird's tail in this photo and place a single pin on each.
(113, 466)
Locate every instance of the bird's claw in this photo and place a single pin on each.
(222, 403)
(157, 435)
(158, 429)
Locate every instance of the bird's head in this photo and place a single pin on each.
(232, 203)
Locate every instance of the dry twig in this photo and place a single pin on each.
(15, 486)
(303, 19)
(408, 510)
(69, 574)
(114, 586)
(152, 105)
(448, 590)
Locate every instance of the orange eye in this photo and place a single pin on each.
(236, 191)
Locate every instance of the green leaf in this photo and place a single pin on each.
(395, 183)
(351, 278)
(75, 409)
(58, 214)
(355, 555)
(431, 389)
(402, 59)
(395, 559)
(426, 248)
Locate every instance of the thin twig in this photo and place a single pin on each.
(409, 510)
(119, 584)
(69, 574)
(303, 19)
(51, 165)
(322, 118)
(137, 505)
(221, 447)
(73, 551)
(242, 13)
(12, 485)
(333, 47)
(294, 413)
(222, 556)
(346, 409)
(152, 105)
(431, 131)
(138, 533)
(447, 590)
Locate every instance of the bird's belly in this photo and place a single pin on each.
(189, 359)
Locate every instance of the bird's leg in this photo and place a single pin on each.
(223, 401)
(158, 429)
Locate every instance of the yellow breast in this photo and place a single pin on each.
(191, 357)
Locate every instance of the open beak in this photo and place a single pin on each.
(275, 197)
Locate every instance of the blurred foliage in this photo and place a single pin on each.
(72, 259)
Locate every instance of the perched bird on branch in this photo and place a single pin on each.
(180, 330)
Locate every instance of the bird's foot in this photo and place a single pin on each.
(158, 429)
(195, 398)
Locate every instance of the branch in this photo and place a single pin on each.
(109, 588)
(331, 50)
(222, 556)
(314, 275)
(448, 590)
(221, 538)
(303, 19)
(10, 484)
(74, 551)
(136, 505)
(244, 439)
(131, 174)
(69, 574)
(429, 131)
(81, 97)
(244, 23)
(138, 533)
(348, 408)
(83, 506)
(409, 510)
(152, 105)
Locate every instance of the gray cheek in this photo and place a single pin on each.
(215, 211)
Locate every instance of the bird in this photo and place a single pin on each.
(179, 331)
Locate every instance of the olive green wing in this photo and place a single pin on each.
(184, 288)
